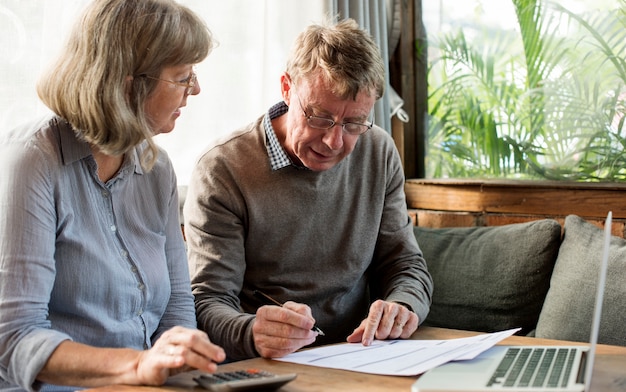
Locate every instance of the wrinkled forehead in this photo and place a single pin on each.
(340, 89)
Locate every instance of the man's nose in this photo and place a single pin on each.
(333, 137)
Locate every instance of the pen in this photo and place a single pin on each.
(271, 301)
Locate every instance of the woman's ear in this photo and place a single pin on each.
(128, 85)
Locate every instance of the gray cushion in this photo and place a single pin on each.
(489, 278)
(568, 309)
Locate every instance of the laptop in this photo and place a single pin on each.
(525, 368)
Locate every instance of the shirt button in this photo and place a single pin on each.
(113, 228)
(141, 286)
(140, 312)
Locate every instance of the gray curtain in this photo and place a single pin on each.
(381, 19)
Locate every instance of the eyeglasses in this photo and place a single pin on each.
(189, 83)
(351, 128)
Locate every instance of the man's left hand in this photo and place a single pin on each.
(386, 320)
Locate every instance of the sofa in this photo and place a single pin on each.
(539, 276)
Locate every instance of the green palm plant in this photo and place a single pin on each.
(541, 101)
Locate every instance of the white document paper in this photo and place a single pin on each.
(396, 357)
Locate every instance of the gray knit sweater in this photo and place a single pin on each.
(333, 240)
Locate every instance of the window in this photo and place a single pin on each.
(517, 93)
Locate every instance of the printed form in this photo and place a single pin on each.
(396, 357)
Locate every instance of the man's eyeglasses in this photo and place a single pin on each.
(317, 122)
(188, 83)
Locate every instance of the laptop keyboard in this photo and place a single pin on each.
(534, 367)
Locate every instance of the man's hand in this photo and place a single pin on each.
(279, 331)
(386, 320)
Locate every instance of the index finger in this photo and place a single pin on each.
(372, 322)
(198, 342)
(299, 308)
(283, 321)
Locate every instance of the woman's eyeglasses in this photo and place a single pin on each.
(188, 83)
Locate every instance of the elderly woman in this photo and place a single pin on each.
(94, 282)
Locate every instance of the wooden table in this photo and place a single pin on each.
(609, 370)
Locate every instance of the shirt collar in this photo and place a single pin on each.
(277, 155)
(73, 148)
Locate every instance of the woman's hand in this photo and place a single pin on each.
(177, 350)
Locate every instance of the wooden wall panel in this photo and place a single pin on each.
(460, 203)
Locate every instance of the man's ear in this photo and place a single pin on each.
(285, 88)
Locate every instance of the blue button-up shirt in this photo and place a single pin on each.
(99, 263)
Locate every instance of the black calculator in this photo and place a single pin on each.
(243, 380)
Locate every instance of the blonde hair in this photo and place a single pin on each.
(345, 55)
(94, 84)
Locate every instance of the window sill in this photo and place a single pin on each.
(460, 202)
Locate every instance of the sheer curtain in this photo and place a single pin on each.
(239, 79)
(31, 31)
(382, 19)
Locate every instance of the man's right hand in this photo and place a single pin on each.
(279, 331)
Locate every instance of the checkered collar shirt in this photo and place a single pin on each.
(277, 154)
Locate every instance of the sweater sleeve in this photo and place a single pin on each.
(214, 226)
(400, 273)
